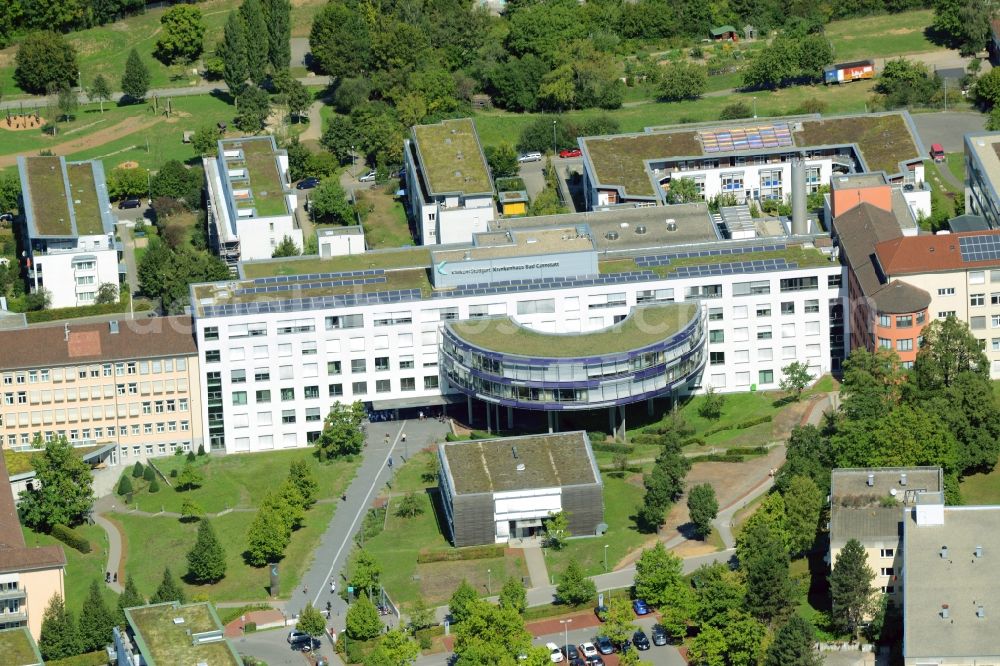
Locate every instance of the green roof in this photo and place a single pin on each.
(19, 462)
(645, 326)
(620, 160)
(266, 186)
(18, 648)
(49, 207)
(884, 140)
(164, 642)
(451, 158)
(85, 205)
(409, 257)
(489, 465)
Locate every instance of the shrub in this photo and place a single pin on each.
(137, 470)
(71, 538)
(201, 449)
(735, 111)
(614, 448)
(699, 441)
(597, 437)
(178, 452)
(154, 486)
(149, 474)
(717, 457)
(757, 420)
(99, 658)
(190, 456)
(461, 554)
(173, 474)
(124, 486)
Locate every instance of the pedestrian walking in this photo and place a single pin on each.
(403, 437)
(386, 439)
(333, 587)
(390, 463)
(421, 416)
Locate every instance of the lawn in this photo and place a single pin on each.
(981, 489)
(81, 568)
(385, 222)
(880, 36)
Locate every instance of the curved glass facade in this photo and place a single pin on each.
(566, 382)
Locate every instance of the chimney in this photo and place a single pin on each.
(800, 225)
(66, 332)
(944, 552)
(979, 551)
(944, 611)
(902, 479)
(871, 479)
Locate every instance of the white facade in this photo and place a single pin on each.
(340, 241)
(526, 507)
(73, 269)
(276, 374)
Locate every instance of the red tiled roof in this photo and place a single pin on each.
(928, 254)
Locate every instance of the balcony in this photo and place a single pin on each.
(17, 593)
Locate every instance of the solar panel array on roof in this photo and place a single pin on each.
(775, 135)
(279, 279)
(298, 286)
(506, 286)
(980, 248)
(758, 266)
(651, 260)
(314, 303)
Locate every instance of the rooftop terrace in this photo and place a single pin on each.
(17, 648)
(165, 641)
(267, 188)
(643, 327)
(490, 465)
(451, 158)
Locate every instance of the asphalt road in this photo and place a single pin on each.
(272, 647)
(947, 128)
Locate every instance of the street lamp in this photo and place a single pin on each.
(489, 581)
(553, 138)
(605, 558)
(565, 624)
(755, 108)
(354, 159)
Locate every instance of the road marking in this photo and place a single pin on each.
(378, 475)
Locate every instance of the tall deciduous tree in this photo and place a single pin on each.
(96, 620)
(168, 590)
(796, 378)
(793, 645)
(135, 79)
(764, 561)
(277, 14)
(182, 34)
(513, 595)
(343, 431)
(807, 454)
(257, 34)
(656, 572)
(340, 40)
(851, 587)
(206, 559)
(490, 635)
(803, 503)
(703, 507)
(557, 530)
(65, 495)
(99, 90)
(683, 190)
(233, 50)
(300, 473)
(311, 621)
(365, 573)
(395, 648)
(618, 621)
(59, 637)
(574, 587)
(253, 108)
(717, 590)
(683, 80)
(45, 59)
(363, 622)
(286, 248)
(947, 350)
(460, 603)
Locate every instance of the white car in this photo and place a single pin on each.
(367, 178)
(295, 633)
(588, 650)
(555, 654)
(530, 157)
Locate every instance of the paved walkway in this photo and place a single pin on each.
(128, 254)
(258, 617)
(534, 559)
(315, 129)
(115, 559)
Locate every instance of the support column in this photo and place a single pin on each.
(510, 418)
(624, 429)
(548, 416)
(489, 417)
(649, 407)
(468, 402)
(611, 421)
(555, 421)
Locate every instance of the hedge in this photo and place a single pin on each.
(749, 423)
(597, 437)
(614, 448)
(99, 658)
(71, 538)
(39, 316)
(747, 450)
(717, 457)
(459, 554)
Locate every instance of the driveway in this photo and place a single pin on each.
(300, 49)
(947, 128)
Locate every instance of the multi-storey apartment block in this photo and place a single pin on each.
(68, 229)
(134, 384)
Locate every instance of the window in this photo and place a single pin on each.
(285, 350)
(946, 291)
(741, 334)
(741, 356)
(262, 374)
(765, 354)
(430, 382)
(286, 372)
(312, 414)
(311, 392)
(405, 362)
(704, 291)
(812, 327)
(812, 306)
(885, 343)
(716, 336)
(788, 308)
(977, 277)
(238, 376)
(799, 283)
(764, 310)
(358, 365)
(757, 287)
(904, 321)
(344, 321)
(296, 326)
(287, 394)
(239, 397)
(904, 344)
(212, 356)
(394, 319)
(788, 330)
(336, 390)
(976, 300)
(333, 367)
(408, 384)
(944, 314)
(887, 552)
(359, 388)
(381, 363)
(449, 314)
(263, 396)
(717, 358)
(211, 332)
(288, 416)
(765, 377)
(309, 348)
(979, 323)
(715, 314)
(887, 571)
(763, 332)
(739, 312)
(788, 352)
(541, 306)
(382, 386)
(921, 317)
(653, 295)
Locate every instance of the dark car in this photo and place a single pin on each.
(129, 203)
(577, 661)
(640, 607)
(303, 643)
(595, 660)
(601, 612)
(604, 645)
(307, 184)
(659, 635)
(640, 641)
(571, 652)
(570, 152)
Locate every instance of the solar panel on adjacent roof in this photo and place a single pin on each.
(979, 248)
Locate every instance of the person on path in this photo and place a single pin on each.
(333, 587)
(403, 437)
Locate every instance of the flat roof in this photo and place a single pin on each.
(959, 580)
(164, 640)
(18, 648)
(985, 147)
(490, 466)
(64, 199)
(46, 193)
(858, 511)
(520, 243)
(451, 158)
(263, 175)
(644, 326)
(855, 181)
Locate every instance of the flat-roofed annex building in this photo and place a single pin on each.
(950, 608)
(68, 229)
(172, 633)
(867, 504)
(18, 648)
(497, 489)
(134, 384)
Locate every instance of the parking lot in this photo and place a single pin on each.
(666, 655)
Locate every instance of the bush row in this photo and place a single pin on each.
(747, 450)
(458, 554)
(99, 658)
(614, 448)
(39, 316)
(71, 538)
(749, 423)
(717, 457)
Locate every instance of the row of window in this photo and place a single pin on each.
(764, 332)
(162, 449)
(903, 345)
(902, 321)
(70, 374)
(336, 390)
(97, 392)
(99, 432)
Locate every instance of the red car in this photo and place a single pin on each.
(574, 152)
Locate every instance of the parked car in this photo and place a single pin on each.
(639, 640)
(7, 217)
(937, 152)
(368, 177)
(588, 649)
(604, 645)
(570, 152)
(555, 654)
(530, 157)
(129, 203)
(571, 652)
(304, 642)
(601, 612)
(577, 661)
(307, 184)
(295, 633)
(640, 607)
(595, 660)
(659, 635)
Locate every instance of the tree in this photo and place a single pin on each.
(557, 530)
(987, 88)
(154, 486)
(279, 33)
(10, 190)
(191, 510)
(764, 561)
(774, 66)
(301, 474)
(135, 80)
(711, 404)
(182, 35)
(513, 595)
(233, 51)
(796, 378)
(681, 80)
(421, 616)
(744, 636)
(683, 190)
(395, 648)
(904, 437)
(703, 507)
(67, 103)
(138, 470)
(492, 635)
(169, 590)
(656, 572)
(124, 486)
(851, 587)
(45, 59)
(149, 474)
(461, 601)
(502, 160)
(871, 384)
(107, 293)
(130, 598)
(311, 621)
(96, 620)
(298, 98)
(906, 82)
(771, 513)
(205, 140)
(65, 495)
(190, 477)
(717, 590)
(267, 537)
(665, 483)
(708, 648)
(253, 107)
(965, 23)
(365, 573)
(618, 621)
(947, 349)
(99, 90)
(807, 454)
(340, 40)
(256, 29)
(574, 587)
(286, 248)
(329, 203)
(343, 433)
(803, 503)
(735, 111)
(178, 182)
(363, 622)
(793, 645)
(409, 506)
(206, 560)
(124, 183)
(59, 637)
(340, 137)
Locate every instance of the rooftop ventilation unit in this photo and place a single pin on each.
(980, 612)
(892, 491)
(902, 479)
(520, 467)
(979, 551)
(671, 224)
(944, 552)
(945, 611)
(871, 480)
(612, 235)
(641, 229)
(178, 620)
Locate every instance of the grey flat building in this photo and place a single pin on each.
(493, 490)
